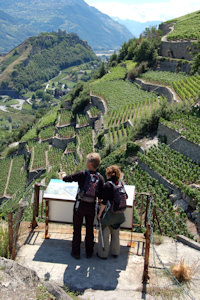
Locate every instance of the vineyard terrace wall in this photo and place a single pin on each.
(179, 143)
(173, 189)
(180, 50)
(161, 90)
(173, 66)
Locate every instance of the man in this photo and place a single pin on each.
(90, 184)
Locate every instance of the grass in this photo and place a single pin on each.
(3, 240)
(9, 61)
(43, 294)
(186, 27)
(26, 106)
(73, 294)
(182, 272)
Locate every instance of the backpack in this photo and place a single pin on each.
(90, 188)
(119, 198)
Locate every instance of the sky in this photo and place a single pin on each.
(145, 10)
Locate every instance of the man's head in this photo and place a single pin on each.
(93, 161)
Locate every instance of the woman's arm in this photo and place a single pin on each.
(102, 207)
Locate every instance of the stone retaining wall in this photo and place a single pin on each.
(62, 143)
(179, 143)
(96, 101)
(175, 49)
(173, 66)
(161, 90)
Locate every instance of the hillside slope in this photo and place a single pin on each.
(40, 58)
(98, 29)
(11, 32)
(186, 27)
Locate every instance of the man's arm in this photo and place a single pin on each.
(69, 178)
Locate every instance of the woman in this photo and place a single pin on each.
(111, 218)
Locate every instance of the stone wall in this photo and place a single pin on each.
(174, 49)
(96, 101)
(171, 187)
(165, 27)
(179, 143)
(61, 142)
(161, 90)
(173, 66)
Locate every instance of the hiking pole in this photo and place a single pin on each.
(101, 232)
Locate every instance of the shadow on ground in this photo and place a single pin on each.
(83, 274)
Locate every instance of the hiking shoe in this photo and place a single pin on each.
(115, 256)
(76, 256)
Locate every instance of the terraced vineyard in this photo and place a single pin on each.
(68, 164)
(17, 172)
(171, 223)
(47, 132)
(188, 89)
(82, 119)
(4, 167)
(67, 132)
(118, 135)
(187, 124)
(163, 77)
(66, 117)
(176, 168)
(85, 138)
(120, 93)
(114, 74)
(94, 111)
(132, 112)
(39, 156)
(54, 156)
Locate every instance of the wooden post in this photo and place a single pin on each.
(10, 231)
(146, 259)
(35, 206)
(147, 207)
(47, 236)
(141, 210)
(17, 220)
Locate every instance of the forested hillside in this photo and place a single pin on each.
(40, 58)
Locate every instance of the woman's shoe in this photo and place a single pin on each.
(115, 256)
(101, 257)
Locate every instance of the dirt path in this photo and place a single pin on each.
(164, 38)
(8, 178)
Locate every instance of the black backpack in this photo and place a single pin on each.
(119, 197)
(89, 191)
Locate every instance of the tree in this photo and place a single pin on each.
(33, 97)
(146, 52)
(102, 70)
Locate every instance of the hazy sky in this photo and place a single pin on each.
(146, 10)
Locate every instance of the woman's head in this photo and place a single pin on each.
(113, 171)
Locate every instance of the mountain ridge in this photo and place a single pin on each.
(98, 29)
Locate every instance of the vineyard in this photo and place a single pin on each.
(39, 155)
(115, 73)
(18, 171)
(82, 120)
(176, 168)
(94, 111)
(4, 167)
(117, 135)
(186, 27)
(47, 132)
(163, 77)
(186, 123)
(67, 132)
(132, 112)
(66, 117)
(85, 138)
(188, 89)
(120, 93)
(171, 223)
(54, 156)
